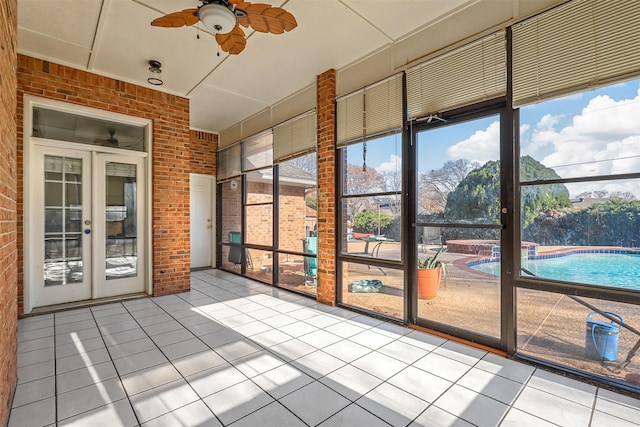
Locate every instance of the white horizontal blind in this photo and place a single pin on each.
(295, 137)
(257, 151)
(472, 73)
(577, 46)
(371, 111)
(228, 162)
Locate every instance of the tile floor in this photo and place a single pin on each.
(236, 352)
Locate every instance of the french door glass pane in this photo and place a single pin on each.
(62, 221)
(121, 224)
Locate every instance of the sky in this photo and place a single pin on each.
(592, 133)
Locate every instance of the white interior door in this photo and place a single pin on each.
(87, 215)
(60, 262)
(202, 190)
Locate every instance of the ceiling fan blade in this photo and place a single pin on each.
(177, 19)
(233, 42)
(265, 18)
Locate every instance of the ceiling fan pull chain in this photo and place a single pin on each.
(218, 50)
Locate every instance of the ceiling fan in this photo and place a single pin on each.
(224, 17)
(112, 141)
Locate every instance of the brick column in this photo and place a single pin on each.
(8, 207)
(326, 187)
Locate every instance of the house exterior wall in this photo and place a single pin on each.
(8, 225)
(326, 111)
(259, 222)
(293, 210)
(171, 157)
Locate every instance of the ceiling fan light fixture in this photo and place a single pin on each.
(155, 73)
(217, 18)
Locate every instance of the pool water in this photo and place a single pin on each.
(614, 270)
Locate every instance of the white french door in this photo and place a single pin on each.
(87, 214)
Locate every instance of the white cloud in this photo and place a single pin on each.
(605, 129)
(604, 138)
(393, 165)
(482, 146)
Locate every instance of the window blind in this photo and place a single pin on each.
(577, 46)
(228, 162)
(257, 151)
(295, 137)
(371, 111)
(472, 73)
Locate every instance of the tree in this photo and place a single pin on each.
(358, 181)
(477, 196)
(434, 186)
(307, 163)
(372, 222)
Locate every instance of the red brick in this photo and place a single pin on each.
(172, 159)
(326, 187)
(8, 207)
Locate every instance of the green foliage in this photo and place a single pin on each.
(433, 261)
(477, 197)
(540, 197)
(367, 222)
(615, 222)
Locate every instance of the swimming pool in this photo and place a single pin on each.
(620, 270)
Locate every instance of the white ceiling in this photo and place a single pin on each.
(114, 38)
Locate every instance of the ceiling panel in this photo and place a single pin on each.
(61, 19)
(127, 42)
(273, 66)
(54, 50)
(217, 109)
(399, 17)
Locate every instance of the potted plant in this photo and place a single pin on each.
(430, 271)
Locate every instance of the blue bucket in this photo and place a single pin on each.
(601, 338)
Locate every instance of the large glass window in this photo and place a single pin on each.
(231, 224)
(372, 225)
(269, 210)
(258, 223)
(580, 188)
(298, 223)
(580, 222)
(371, 202)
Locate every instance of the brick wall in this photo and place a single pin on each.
(202, 152)
(326, 187)
(171, 156)
(8, 248)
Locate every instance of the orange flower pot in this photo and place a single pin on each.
(428, 282)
